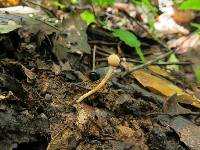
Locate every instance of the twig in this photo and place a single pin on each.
(173, 63)
(94, 12)
(102, 43)
(103, 54)
(27, 2)
(103, 50)
(155, 63)
(93, 58)
(174, 114)
(161, 63)
(148, 63)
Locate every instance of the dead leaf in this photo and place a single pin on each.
(188, 132)
(170, 27)
(20, 10)
(156, 84)
(183, 16)
(160, 86)
(185, 43)
(75, 39)
(160, 71)
(171, 105)
(6, 3)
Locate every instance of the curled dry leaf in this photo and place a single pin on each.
(165, 24)
(183, 16)
(122, 7)
(185, 43)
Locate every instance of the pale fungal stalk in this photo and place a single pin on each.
(113, 61)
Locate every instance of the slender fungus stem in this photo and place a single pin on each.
(99, 86)
(113, 61)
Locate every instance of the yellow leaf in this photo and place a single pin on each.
(160, 71)
(161, 86)
(156, 84)
(6, 3)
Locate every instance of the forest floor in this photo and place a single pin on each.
(44, 71)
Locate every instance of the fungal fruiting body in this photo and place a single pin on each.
(113, 61)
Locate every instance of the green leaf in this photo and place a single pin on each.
(150, 7)
(148, 4)
(197, 73)
(8, 28)
(173, 58)
(103, 2)
(74, 1)
(61, 5)
(130, 39)
(190, 4)
(152, 26)
(139, 52)
(87, 17)
(196, 25)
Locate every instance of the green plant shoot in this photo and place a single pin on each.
(57, 3)
(197, 73)
(148, 5)
(130, 39)
(196, 25)
(88, 17)
(103, 2)
(149, 8)
(172, 59)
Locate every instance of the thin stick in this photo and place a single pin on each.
(148, 63)
(155, 63)
(93, 58)
(101, 42)
(160, 63)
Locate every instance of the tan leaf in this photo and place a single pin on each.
(160, 71)
(161, 86)
(185, 43)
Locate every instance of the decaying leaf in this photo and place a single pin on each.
(188, 132)
(19, 10)
(171, 105)
(160, 85)
(185, 43)
(10, 26)
(183, 16)
(6, 3)
(75, 39)
(170, 27)
(29, 24)
(160, 71)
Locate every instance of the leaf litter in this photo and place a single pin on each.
(43, 71)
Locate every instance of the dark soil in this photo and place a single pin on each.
(37, 110)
